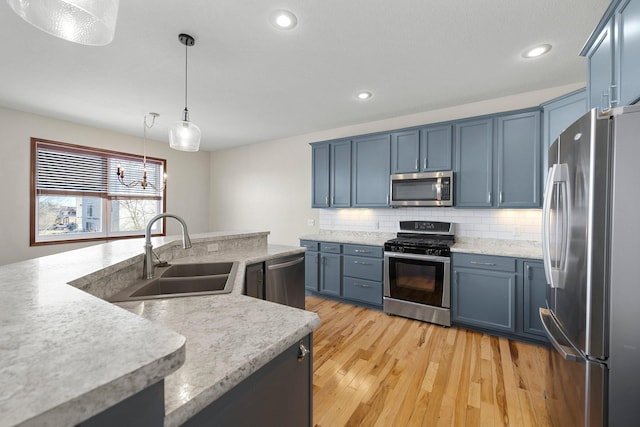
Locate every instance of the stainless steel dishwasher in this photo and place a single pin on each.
(279, 280)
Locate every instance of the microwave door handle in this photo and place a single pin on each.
(439, 189)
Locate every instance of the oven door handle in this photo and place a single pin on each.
(442, 259)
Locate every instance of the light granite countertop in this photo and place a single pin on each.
(351, 237)
(229, 337)
(500, 247)
(67, 355)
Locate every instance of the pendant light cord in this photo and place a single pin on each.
(186, 78)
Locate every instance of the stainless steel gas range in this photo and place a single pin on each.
(417, 272)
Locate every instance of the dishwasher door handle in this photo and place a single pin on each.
(286, 264)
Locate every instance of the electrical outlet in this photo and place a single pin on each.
(213, 247)
(311, 222)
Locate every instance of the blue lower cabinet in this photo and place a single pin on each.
(499, 295)
(346, 272)
(278, 394)
(484, 298)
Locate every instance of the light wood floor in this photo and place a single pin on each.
(371, 369)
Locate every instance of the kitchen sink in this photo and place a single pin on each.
(182, 280)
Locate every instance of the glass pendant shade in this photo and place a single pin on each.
(184, 136)
(88, 22)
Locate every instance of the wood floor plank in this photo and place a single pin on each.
(371, 369)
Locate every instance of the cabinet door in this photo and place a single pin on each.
(311, 270)
(535, 288)
(600, 77)
(435, 148)
(330, 274)
(320, 176)
(628, 45)
(474, 163)
(484, 298)
(371, 170)
(558, 114)
(405, 151)
(340, 174)
(519, 161)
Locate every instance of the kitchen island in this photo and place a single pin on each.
(67, 355)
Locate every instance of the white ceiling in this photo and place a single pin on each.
(249, 82)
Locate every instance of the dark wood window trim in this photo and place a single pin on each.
(82, 150)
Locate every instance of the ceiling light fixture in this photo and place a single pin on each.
(284, 19)
(364, 95)
(142, 182)
(184, 135)
(537, 51)
(88, 22)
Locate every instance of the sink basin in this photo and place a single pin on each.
(182, 280)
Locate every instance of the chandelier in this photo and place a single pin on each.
(142, 182)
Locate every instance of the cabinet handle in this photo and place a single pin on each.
(303, 351)
(489, 197)
(425, 163)
(361, 251)
(501, 196)
(529, 272)
(361, 263)
(605, 105)
(333, 200)
(387, 198)
(611, 91)
(483, 263)
(416, 164)
(326, 200)
(362, 285)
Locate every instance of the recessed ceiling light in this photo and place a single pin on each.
(284, 19)
(364, 95)
(537, 51)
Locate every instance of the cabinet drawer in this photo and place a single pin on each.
(486, 262)
(333, 248)
(364, 268)
(363, 250)
(363, 290)
(311, 245)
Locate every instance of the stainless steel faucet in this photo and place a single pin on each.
(148, 247)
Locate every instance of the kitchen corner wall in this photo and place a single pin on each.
(267, 185)
(508, 224)
(184, 169)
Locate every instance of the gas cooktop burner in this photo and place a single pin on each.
(423, 237)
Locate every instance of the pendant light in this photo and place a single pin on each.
(184, 135)
(88, 22)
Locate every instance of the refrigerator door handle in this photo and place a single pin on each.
(546, 225)
(566, 351)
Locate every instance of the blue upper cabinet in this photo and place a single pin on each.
(519, 151)
(628, 51)
(435, 148)
(371, 169)
(613, 54)
(426, 149)
(474, 163)
(600, 84)
(405, 151)
(340, 172)
(498, 161)
(331, 174)
(320, 175)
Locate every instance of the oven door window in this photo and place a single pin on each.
(419, 281)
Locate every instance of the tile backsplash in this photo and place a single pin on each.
(512, 224)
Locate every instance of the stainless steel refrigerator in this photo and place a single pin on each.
(591, 247)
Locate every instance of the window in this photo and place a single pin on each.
(76, 195)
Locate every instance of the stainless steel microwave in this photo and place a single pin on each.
(422, 189)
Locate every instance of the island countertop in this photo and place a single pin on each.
(67, 355)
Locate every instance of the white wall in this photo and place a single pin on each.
(268, 185)
(187, 191)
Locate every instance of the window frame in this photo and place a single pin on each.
(106, 198)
